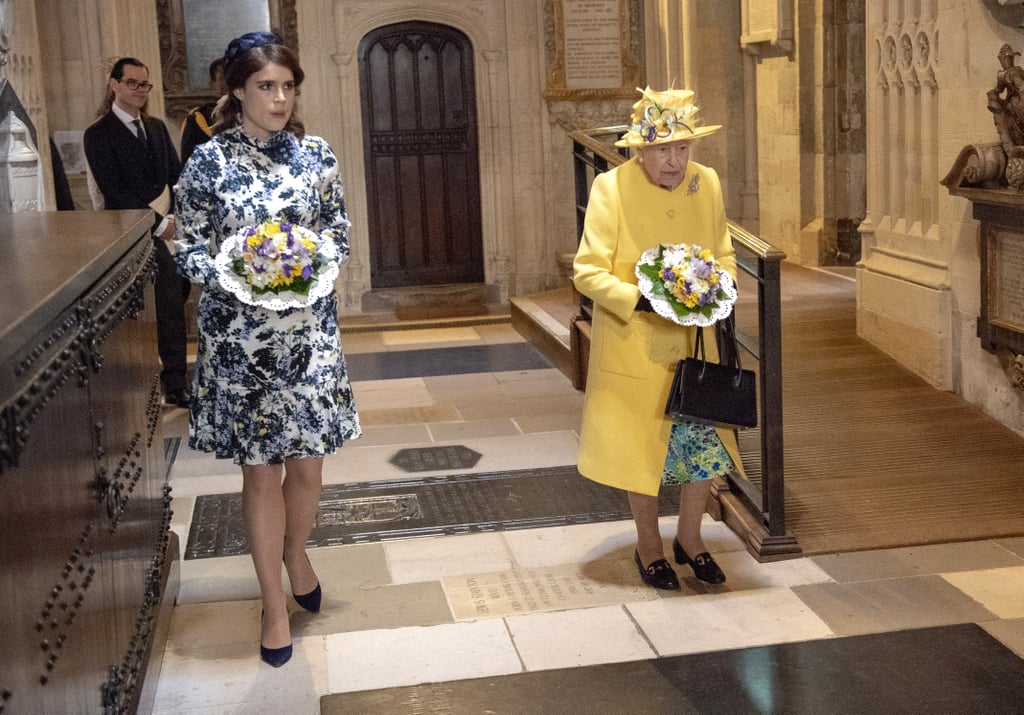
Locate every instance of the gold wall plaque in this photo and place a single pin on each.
(594, 48)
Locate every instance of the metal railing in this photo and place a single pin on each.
(762, 493)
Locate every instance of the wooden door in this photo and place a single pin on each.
(420, 139)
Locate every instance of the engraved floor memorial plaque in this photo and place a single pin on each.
(558, 588)
(365, 512)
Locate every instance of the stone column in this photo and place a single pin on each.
(903, 281)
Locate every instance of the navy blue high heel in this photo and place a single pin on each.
(274, 657)
(310, 601)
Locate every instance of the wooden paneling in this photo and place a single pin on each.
(84, 515)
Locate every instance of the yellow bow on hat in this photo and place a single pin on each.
(662, 117)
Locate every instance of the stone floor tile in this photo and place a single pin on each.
(498, 333)
(578, 544)
(1015, 546)
(390, 416)
(226, 578)
(195, 626)
(552, 588)
(462, 430)
(499, 454)
(551, 422)
(915, 561)
(382, 394)
(1009, 632)
(416, 560)
(891, 604)
(567, 639)
(418, 339)
(538, 383)
(369, 341)
(407, 656)
(372, 607)
(999, 590)
(393, 434)
(700, 623)
(564, 405)
(230, 678)
(743, 572)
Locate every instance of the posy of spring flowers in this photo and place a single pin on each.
(277, 256)
(685, 283)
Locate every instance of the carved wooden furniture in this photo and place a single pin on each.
(85, 545)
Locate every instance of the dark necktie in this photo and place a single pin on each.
(139, 131)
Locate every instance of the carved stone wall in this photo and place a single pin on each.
(81, 41)
(526, 185)
(918, 285)
(904, 297)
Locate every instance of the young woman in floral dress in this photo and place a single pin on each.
(271, 388)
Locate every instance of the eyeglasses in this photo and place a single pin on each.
(135, 84)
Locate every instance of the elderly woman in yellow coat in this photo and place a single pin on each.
(627, 442)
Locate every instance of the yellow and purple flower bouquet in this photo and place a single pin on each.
(277, 265)
(685, 284)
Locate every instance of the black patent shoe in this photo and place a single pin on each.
(704, 566)
(659, 574)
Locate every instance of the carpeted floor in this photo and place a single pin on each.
(874, 456)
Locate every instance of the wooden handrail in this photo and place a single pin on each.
(757, 510)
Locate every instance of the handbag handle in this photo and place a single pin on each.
(725, 334)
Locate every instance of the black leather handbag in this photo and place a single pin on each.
(718, 394)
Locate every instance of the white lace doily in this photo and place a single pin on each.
(237, 286)
(662, 306)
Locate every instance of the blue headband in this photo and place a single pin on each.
(241, 45)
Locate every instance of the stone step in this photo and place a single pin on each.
(430, 296)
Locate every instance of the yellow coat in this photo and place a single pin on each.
(633, 354)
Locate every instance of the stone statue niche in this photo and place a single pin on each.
(998, 165)
(991, 177)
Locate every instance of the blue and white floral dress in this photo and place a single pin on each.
(269, 385)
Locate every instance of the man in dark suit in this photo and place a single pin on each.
(135, 166)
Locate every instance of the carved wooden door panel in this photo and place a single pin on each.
(422, 171)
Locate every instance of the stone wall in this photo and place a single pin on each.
(918, 285)
(971, 38)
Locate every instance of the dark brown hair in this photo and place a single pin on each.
(236, 72)
(117, 72)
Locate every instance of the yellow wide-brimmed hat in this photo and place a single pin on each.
(663, 117)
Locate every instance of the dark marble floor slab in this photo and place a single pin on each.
(428, 506)
(949, 669)
(445, 361)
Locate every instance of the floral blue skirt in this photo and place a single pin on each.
(695, 453)
(270, 385)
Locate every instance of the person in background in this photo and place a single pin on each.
(198, 124)
(271, 385)
(658, 196)
(134, 165)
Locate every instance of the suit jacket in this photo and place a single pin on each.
(128, 174)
